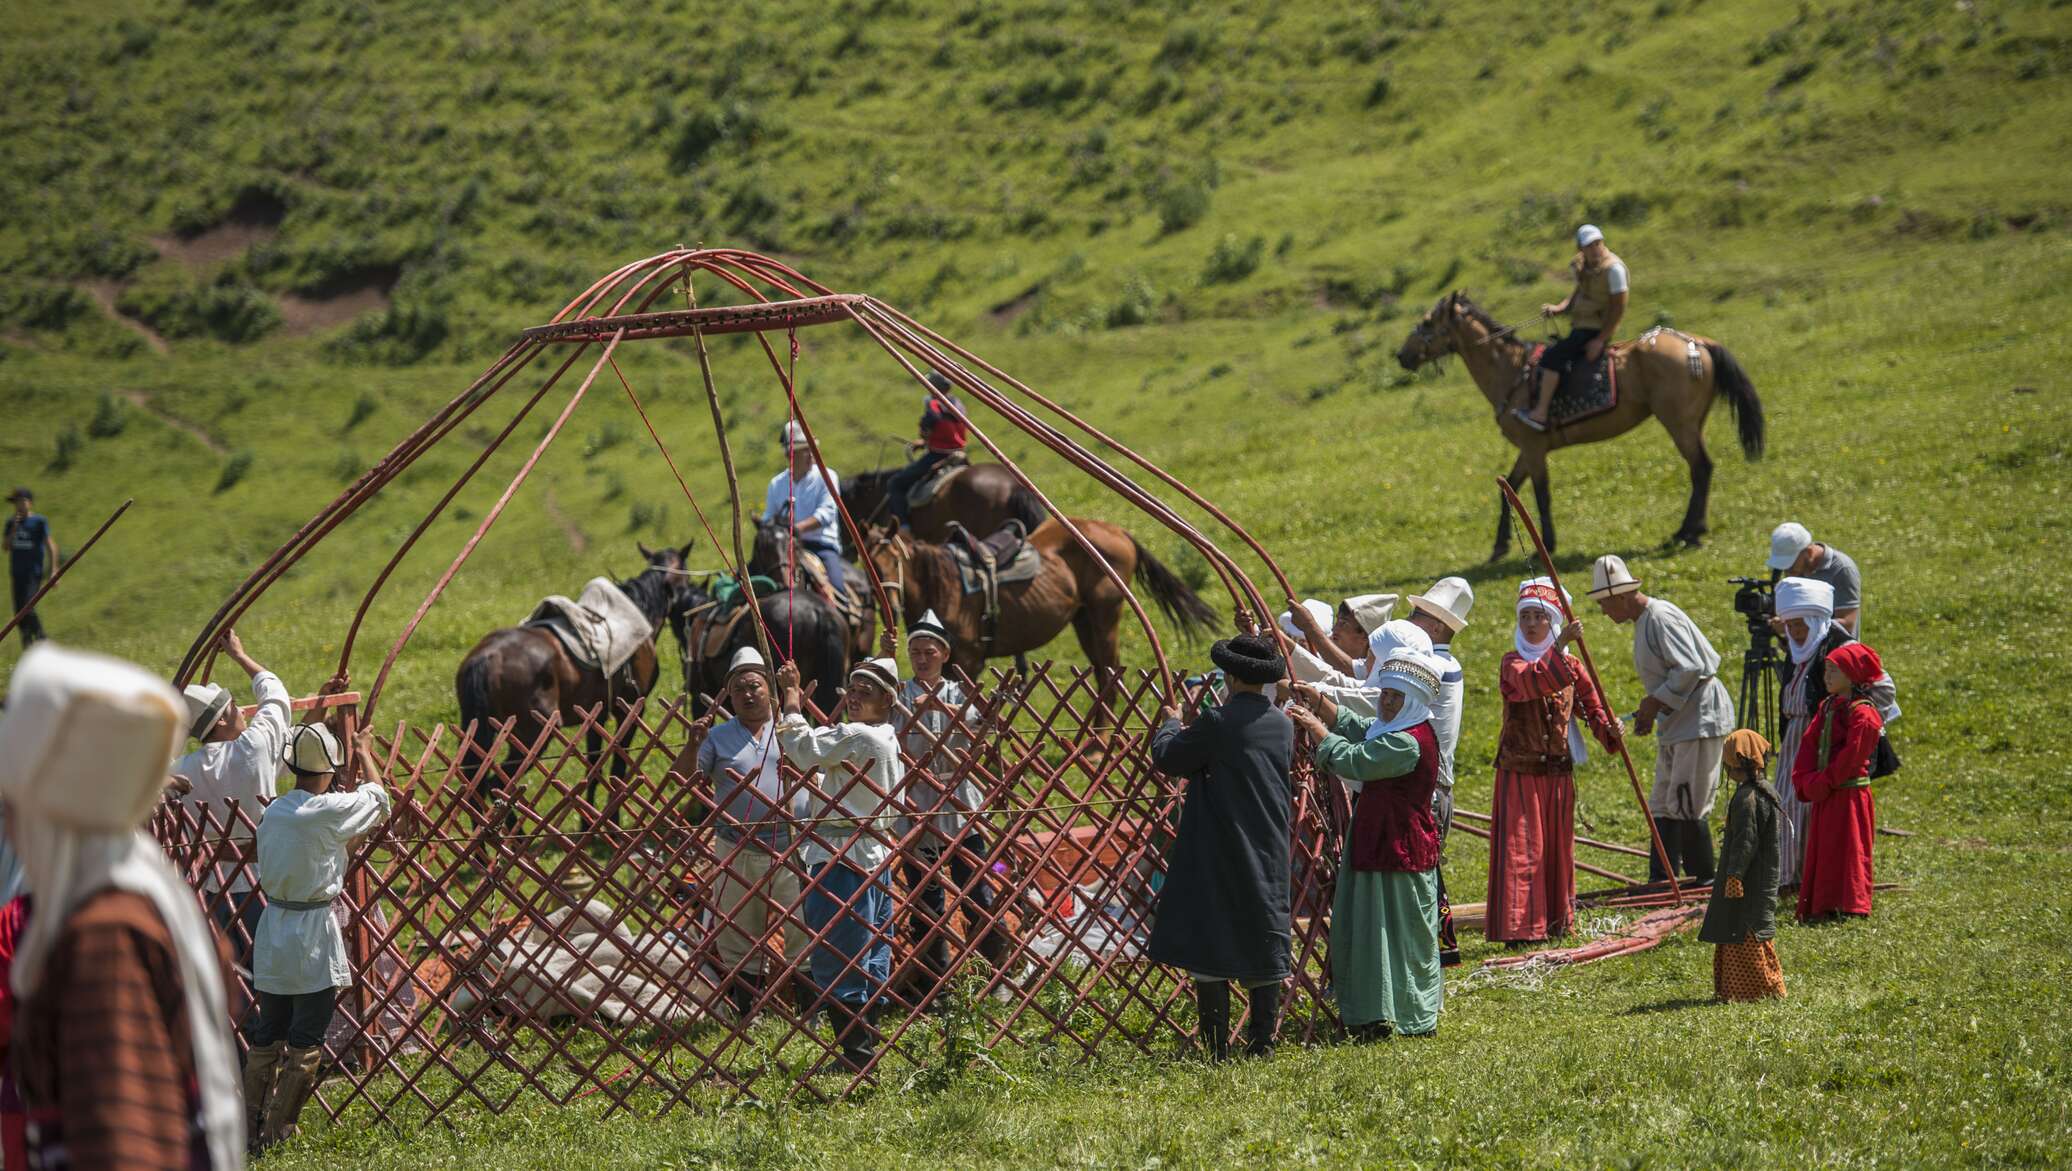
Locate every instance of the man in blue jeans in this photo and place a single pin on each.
(799, 496)
(31, 555)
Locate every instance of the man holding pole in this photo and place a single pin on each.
(1686, 708)
(31, 554)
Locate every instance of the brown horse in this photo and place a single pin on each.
(1665, 373)
(792, 568)
(982, 497)
(524, 674)
(1070, 589)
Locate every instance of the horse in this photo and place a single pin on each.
(524, 674)
(1070, 588)
(773, 560)
(982, 497)
(800, 625)
(1658, 374)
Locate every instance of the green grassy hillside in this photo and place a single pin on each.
(252, 245)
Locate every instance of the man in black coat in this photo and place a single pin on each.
(1223, 913)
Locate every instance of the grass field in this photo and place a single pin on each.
(1207, 228)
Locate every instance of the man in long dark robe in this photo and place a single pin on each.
(1223, 913)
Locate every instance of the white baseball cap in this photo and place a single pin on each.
(1787, 541)
(1588, 235)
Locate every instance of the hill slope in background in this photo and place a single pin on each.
(252, 245)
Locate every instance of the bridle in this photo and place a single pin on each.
(893, 578)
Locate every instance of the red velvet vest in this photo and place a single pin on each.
(1392, 825)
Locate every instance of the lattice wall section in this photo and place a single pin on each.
(561, 937)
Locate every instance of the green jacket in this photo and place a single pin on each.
(1749, 853)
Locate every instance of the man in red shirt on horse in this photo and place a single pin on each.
(943, 434)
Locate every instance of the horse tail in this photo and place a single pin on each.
(1026, 507)
(1734, 382)
(471, 685)
(1181, 604)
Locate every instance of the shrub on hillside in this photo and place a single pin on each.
(1182, 205)
(397, 336)
(34, 305)
(363, 409)
(234, 470)
(225, 307)
(68, 444)
(1136, 305)
(736, 123)
(109, 418)
(1233, 259)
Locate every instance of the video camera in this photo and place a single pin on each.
(1756, 601)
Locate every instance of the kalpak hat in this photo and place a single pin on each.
(1609, 576)
(1249, 658)
(206, 703)
(86, 738)
(929, 626)
(794, 437)
(1318, 610)
(1370, 610)
(1787, 541)
(1449, 600)
(313, 751)
(883, 672)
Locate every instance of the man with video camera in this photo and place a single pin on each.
(1794, 553)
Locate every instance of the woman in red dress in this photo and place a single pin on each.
(1832, 774)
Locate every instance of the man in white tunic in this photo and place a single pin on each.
(799, 496)
(1338, 657)
(1440, 613)
(239, 761)
(1686, 708)
(299, 959)
(935, 718)
(848, 895)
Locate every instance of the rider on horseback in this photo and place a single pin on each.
(801, 497)
(943, 434)
(1593, 308)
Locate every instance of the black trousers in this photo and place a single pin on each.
(299, 1020)
(1564, 354)
(899, 483)
(929, 904)
(25, 587)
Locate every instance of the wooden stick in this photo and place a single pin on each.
(726, 459)
(61, 570)
(1585, 867)
(1554, 575)
(1593, 843)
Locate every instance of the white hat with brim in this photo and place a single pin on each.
(1449, 600)
(928, 626)
(794, 437)
(883, 672)
(1787, 541)
(747, 659)
(312, 751)
(206, 703)
(1609, 576)
(85, 739)
(1320, 611)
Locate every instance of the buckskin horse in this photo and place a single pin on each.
(1668, 374)
(525, 675)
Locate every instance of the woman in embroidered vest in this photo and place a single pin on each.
(1832, 774)
(1532, 840)
(1385, 911)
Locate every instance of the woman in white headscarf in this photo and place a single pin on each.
(122, 1042)
(1385, 910)
(1807, 607)
(1532, 838)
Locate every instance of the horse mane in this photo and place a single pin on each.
(1465, 306)
(650, 592)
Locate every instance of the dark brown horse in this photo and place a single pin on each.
(982, 497)
(524, 674)
(859, 608)
(1070, 589)
(801, 627)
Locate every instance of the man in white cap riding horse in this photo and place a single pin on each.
(239, 759)
(805, 501)
(1594, 308)
(1686, 708)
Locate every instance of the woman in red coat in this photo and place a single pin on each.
(1832, 774)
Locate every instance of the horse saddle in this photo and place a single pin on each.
(1004, 557)
(927, 487)
(1587, 390)
(600, 629)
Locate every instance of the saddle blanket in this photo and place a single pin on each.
(1585, 391)
(601, 629)
(932, 483)
(1022, 567)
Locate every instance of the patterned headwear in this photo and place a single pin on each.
(1413, 674)
(1539, 593)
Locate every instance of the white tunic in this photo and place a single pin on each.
(1446, 707)
(244, 769)
(302, 853)
(867, 802)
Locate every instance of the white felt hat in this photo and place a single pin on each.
(312, 750)
(1318, 610)
(794, 437)
(1609, 576)
(1449, 600)
(883, 672)
(747, 659)
(86, 739)
(206, 703)
(1371, 610)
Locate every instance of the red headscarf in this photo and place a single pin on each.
(1858, 661)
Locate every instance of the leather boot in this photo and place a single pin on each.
(262, 1064)
(1212, 998)
(292, 1090)
(1697, 851)
(856, 1033)
(1671, 830)
(743, 991)
(1265, 1022)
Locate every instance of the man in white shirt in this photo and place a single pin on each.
(1441, 612)
(801, 497)
(299, 961)
(1594, 309)
(849, 896)
(239, 760)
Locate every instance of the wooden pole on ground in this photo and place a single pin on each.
(1554, 575)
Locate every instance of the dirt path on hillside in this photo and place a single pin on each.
(104, 294)
(142, 401)
(577, 539)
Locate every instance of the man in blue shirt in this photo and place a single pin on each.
(32, 555)
(800, 497)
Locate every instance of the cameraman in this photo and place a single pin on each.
(1794, 553)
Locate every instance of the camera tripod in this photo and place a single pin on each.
(1756, 704)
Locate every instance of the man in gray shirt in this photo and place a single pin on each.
(738, 760)
(1795, 553)
(1686, 708)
